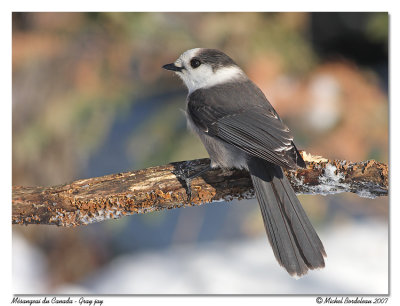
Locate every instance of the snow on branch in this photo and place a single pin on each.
(157, 188)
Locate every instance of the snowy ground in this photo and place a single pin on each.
(357, 263)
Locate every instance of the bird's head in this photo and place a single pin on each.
(202, 68)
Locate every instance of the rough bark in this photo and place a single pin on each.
(157, 188)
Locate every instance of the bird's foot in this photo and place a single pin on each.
(184, 176)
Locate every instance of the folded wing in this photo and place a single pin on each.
(255, 128)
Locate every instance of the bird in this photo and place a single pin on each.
(241, 130)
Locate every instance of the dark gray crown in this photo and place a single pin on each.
(215, 58)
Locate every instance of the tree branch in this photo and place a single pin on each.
(157, 188)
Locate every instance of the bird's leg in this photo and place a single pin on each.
(187, 178)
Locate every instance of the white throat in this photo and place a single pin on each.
(205, 77)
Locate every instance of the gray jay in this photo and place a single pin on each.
(240, 129)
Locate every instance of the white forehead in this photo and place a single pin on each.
(187, 56)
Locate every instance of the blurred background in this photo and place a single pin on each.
(90, 98)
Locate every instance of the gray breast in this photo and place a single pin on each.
(222, 154)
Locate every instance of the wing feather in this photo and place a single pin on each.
(251, 125)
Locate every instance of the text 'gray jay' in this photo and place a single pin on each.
(240, 129)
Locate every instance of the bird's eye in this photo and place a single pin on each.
(195, 63)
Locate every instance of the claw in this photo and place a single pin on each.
(185, 177)
(188, 182)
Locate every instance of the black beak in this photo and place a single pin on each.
(172, 67)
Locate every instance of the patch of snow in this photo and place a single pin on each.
(330, 182)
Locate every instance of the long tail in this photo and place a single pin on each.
(294, 241)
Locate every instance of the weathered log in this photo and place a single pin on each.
(157, 188)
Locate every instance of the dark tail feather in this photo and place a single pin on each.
(294, 241)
